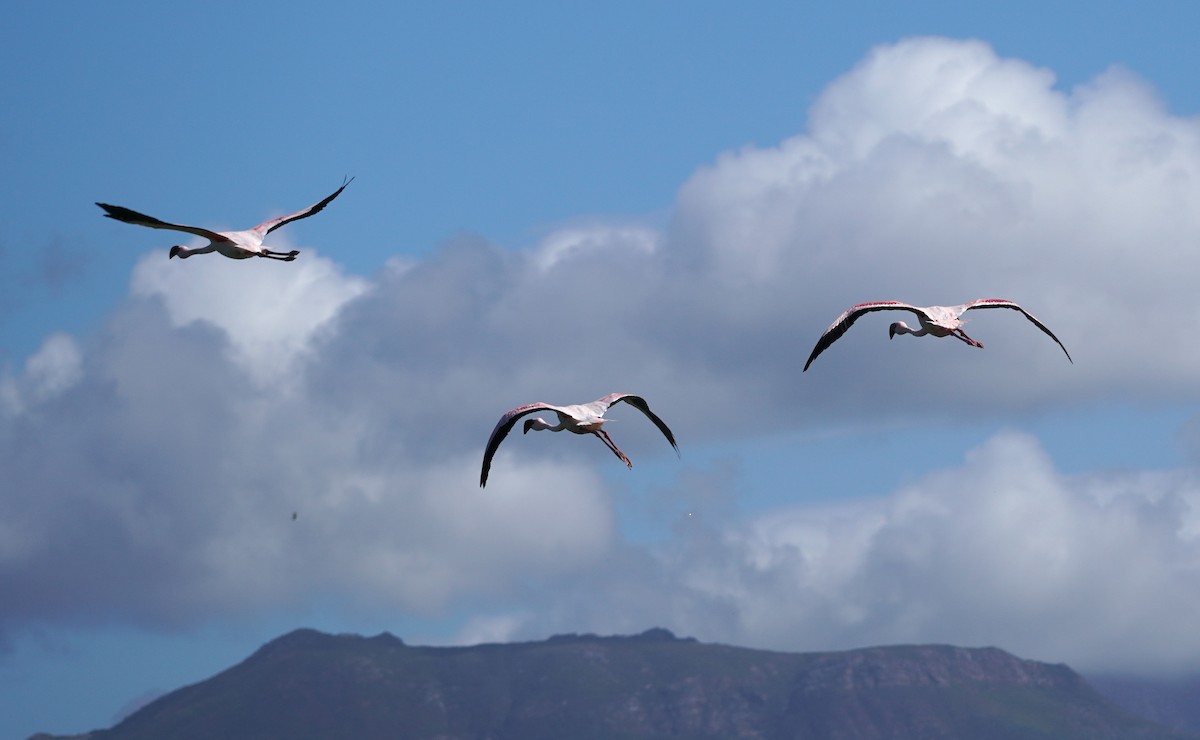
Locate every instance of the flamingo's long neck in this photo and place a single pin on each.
(902, 328)
(183, 252)
(541, 425)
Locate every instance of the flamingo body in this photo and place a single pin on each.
(238, 245)
(583, 418)
(938, 321)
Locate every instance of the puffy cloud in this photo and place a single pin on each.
(937, 172)
(269, 311)
(52, 369)
(605, 238)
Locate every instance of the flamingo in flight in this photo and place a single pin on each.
(938, 321)
(584, 418)
(238, 245)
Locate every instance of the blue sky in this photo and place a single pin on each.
(552, 203)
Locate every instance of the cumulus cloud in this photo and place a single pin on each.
(269, 314)
(151, 470)
(610, 240)
(49, 371)
(936, 172)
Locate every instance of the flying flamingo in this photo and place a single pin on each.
(238, 245)
(584, 418)
(939, 321)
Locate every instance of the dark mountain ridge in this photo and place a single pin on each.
(307, 684)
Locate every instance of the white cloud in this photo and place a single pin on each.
(955, 93)
(491, 629)
(937, 172)
(50, 371)
(567, 242)
(270, 311)
(53, 368)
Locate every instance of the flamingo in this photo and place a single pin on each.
(238, 245)
(584, 418)
(939, 321)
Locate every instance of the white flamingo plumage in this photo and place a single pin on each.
(584, 418)
(238, 245)
(938, 321)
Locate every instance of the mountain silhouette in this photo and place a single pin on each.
(307, 684)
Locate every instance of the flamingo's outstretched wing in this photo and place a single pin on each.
(843, 323)
(128, 216)
(503, 427)
(266, 227)
(640, 404)
(1001, 303)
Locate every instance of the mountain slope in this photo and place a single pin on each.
(311, 685)
(1170, 701)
